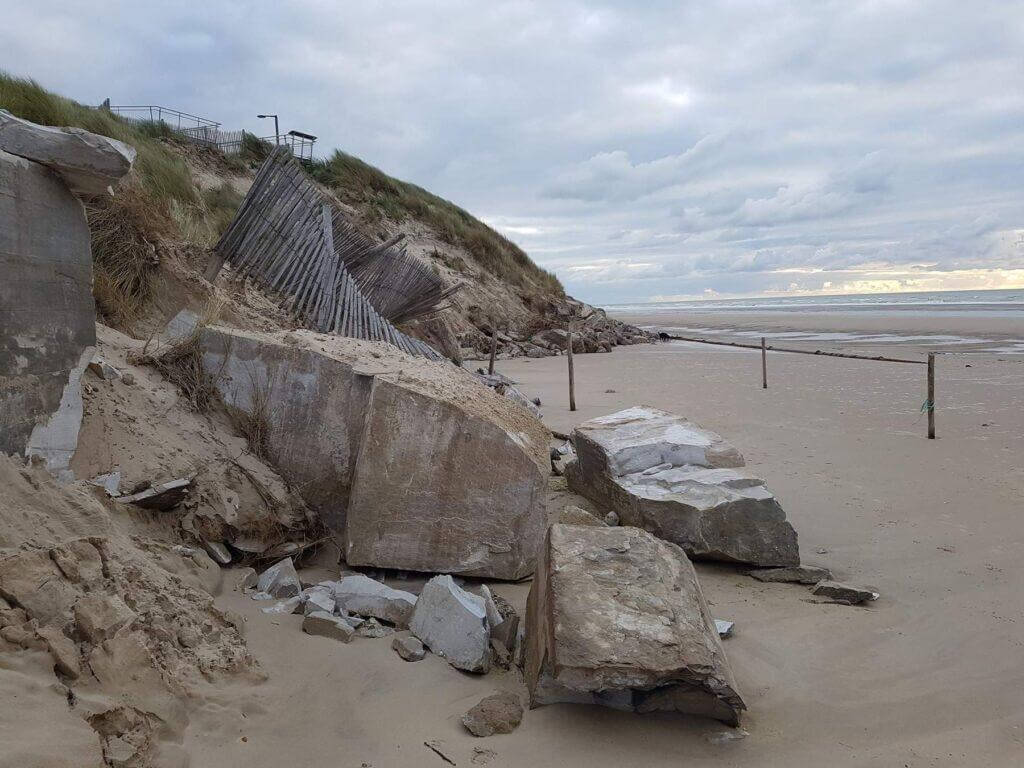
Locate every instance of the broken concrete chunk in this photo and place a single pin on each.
(724, 628)
(794, 574)
(218, 551)
(110, 482)
(452, 623)
(247, 578)
(494, 617)
(327, 625)
(847, 594)
(409, 648)
(280, 580)
(161, 497)
(318, 600)
(505, 631)
(362, 595)
(87, 162)
(499, 713)
(573, 515)
(699, 502)
(99, 617)
(616, 617)
(103, 370)
(288, 606)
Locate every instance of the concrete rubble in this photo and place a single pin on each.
(280, 580)
(364, 443)
(683, 483)
(369, 598)
(498, 713)
(161, 497)
(616, 617)
(325, 624)
(795, 574)
(846, 594)
(452, 623)
(409, 648)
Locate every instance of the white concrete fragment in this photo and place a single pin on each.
(280, 580)
(361, 594)
(724, 628)
(110, 482)
(318, 600)
(327, 625)
(453, 624)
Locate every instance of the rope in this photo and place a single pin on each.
(927, 406)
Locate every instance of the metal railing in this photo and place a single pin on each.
(154, 113)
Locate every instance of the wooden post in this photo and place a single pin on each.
(930, 404)
(494, 346)
(572, 383)
(764, 365)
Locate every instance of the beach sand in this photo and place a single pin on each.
(928, 675)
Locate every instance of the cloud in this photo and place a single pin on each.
(660, 148)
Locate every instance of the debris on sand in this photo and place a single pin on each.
(326, 624)
(684, 483)
(280, 580)
(794, 574)
(452, 623)
(370, 598)
(498, 713)
(161, 497)
(409, 648)
(840, 592)
(616, 617)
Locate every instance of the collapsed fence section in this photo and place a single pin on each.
(292, 239)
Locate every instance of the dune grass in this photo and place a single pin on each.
(362, 185)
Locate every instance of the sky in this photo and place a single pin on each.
(642, 151)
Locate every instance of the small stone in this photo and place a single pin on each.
(409, 648)
(99, 617)
(793, 574)
(724, 627)
(110, 482)
(247, 578)
(188, 637)
(318, 600)
(104, 370)
(325, 624)
(847, 594)
(128, 378)
(280, 580)
(611, 519)
(500, 713)
(373, 628)
(289, 606)
(218, 551)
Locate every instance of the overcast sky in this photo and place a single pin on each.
(642, 151)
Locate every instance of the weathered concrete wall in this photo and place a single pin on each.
(438, 489)
(314, 407)
(47, 315)
(411, 463)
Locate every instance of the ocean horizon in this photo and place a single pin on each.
(998, 300)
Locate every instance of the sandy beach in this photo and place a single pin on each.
(927, 675)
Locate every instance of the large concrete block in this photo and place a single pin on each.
(616, 617)
(47, 314)
(413, 463)
(682, 483)
(438, 488)
(88, 163)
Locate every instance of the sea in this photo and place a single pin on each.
(1003, 302)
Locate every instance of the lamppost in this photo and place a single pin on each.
(277, 134)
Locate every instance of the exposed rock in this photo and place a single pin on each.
(795, 574)
(161, 497)
(700, 502)
(99, 617)
(409, 648)
(280, 580)
(63, 650)
(499, 713)
(506, 630)
(88, 163)
(840, 592)
(103, 370)
(363, 440)
(110, 482)
(319, 599)
(218, 551)
(33, 581)
(362, 595)
(724, 628)
(616, 617)
(611, 519)
(327, 625)
(247, 578)
(453, 624)
(573, 515)
(373, 628)
(494, 617)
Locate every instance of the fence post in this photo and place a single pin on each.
(931, 396)
(572, 383)
(494, 346)
(764, 365)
